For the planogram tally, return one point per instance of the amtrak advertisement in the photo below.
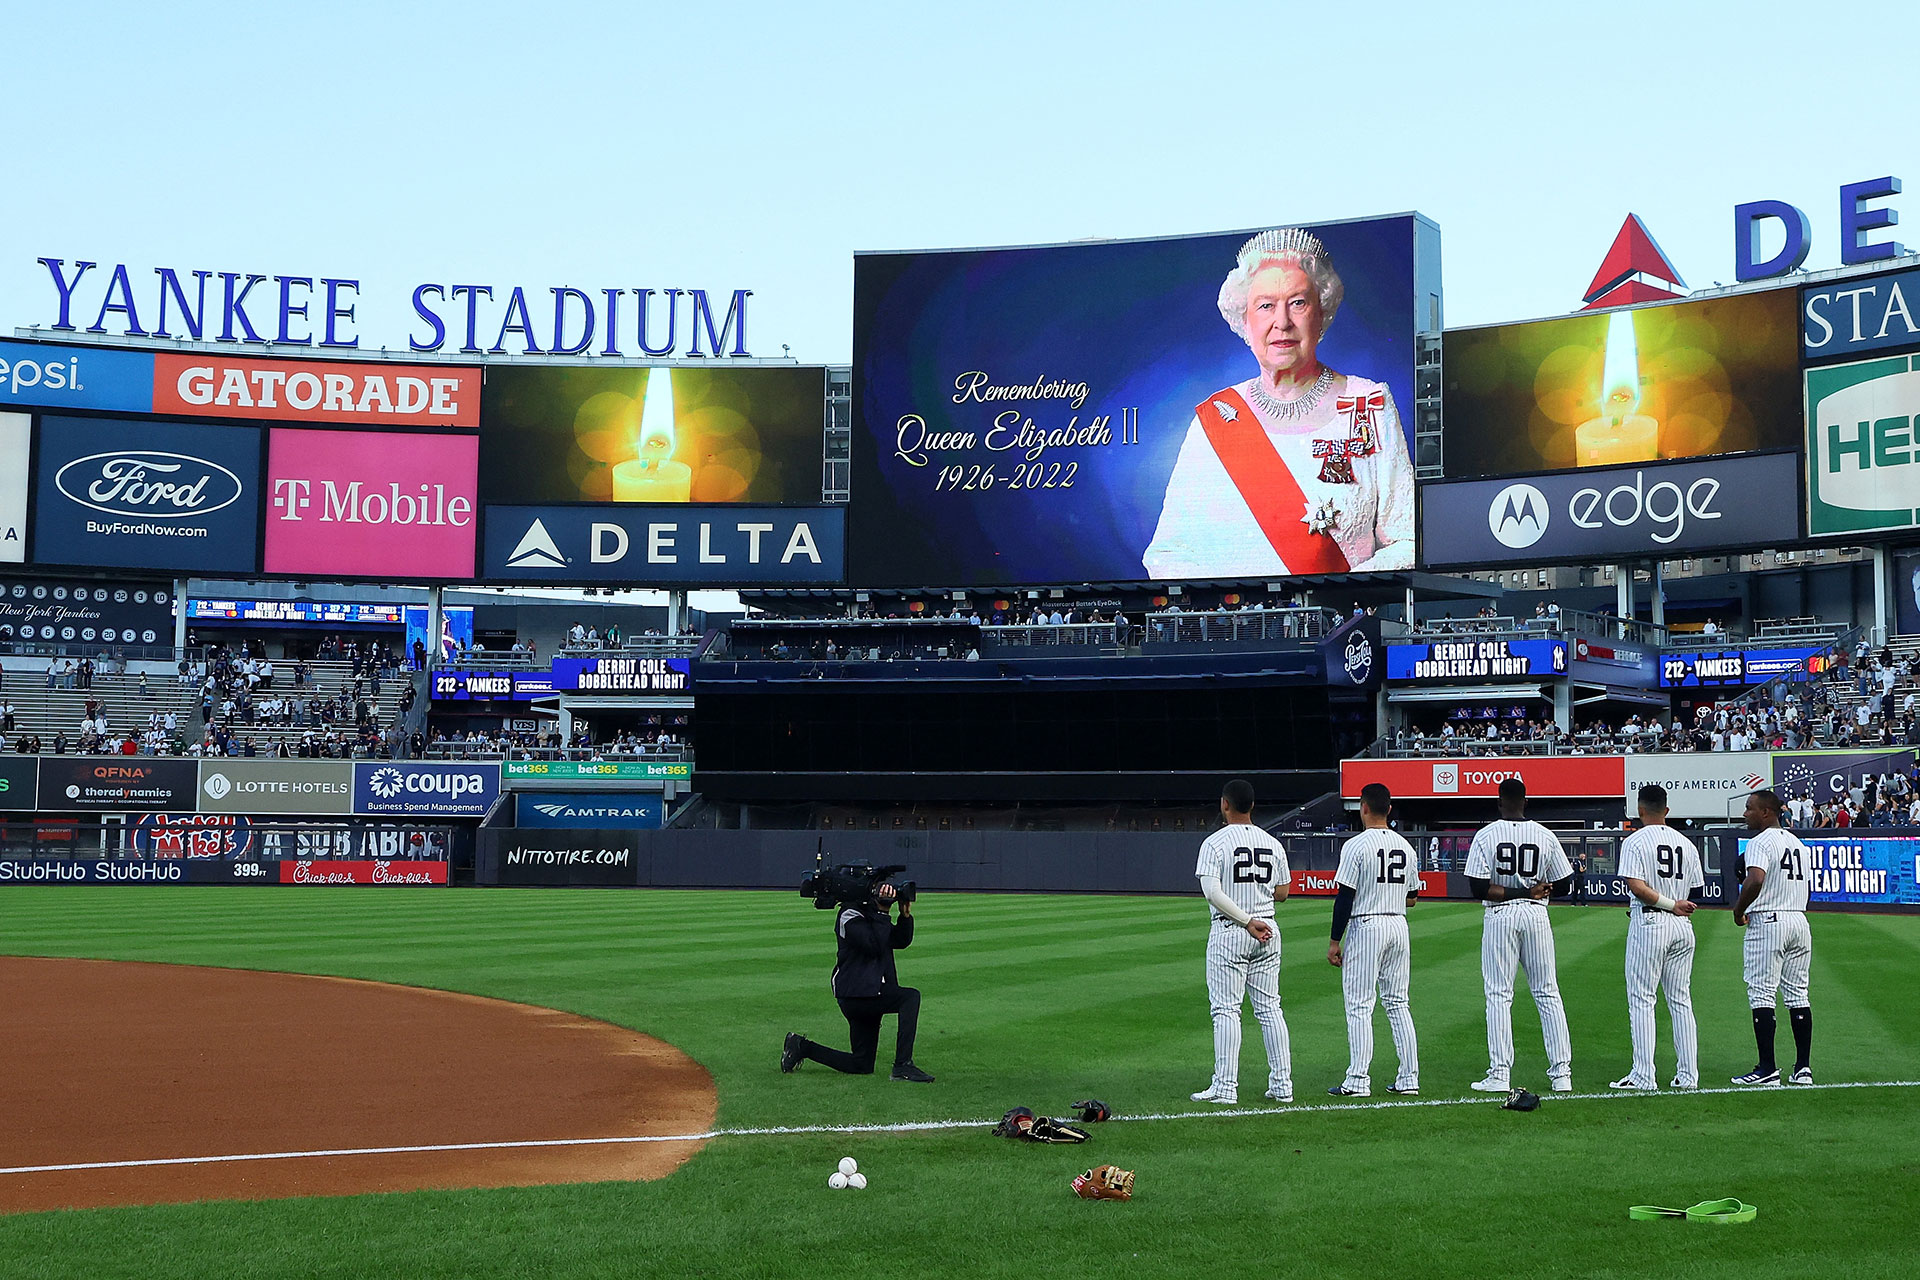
(587, 809)
(1688, 507)
(1236, 405)
(147, 495)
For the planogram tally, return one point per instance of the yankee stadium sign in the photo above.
(258, 309)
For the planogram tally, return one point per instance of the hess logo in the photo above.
(1517, 516)
(134, 482)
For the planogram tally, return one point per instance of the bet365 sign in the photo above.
(1863, 446)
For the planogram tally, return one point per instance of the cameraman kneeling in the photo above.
(865, 984)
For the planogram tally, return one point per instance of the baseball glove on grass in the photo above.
(1092, 1111)
(1104, 1183)
(1521, 1100)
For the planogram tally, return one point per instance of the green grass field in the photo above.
(1040, 1001)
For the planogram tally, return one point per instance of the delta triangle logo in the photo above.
(536, 550)
(1634, 270)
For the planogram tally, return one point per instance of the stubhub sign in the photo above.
(415, 788)
(668, 545)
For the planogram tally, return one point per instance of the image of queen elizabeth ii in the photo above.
(1299, 469)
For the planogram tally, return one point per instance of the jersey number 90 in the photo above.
(1521, 860)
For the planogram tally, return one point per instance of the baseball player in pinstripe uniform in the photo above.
(1378, 880)
(1514, 865)
(1243, 872)
(1772, 908)
(1662, 871)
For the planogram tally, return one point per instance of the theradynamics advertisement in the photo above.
(1220, 406)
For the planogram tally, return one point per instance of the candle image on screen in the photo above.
(653, 475)
(1621, 433)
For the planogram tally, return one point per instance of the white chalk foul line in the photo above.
(923, 1126)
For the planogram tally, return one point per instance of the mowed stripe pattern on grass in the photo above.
(1039, 1001)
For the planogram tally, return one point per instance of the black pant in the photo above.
(863, 1015)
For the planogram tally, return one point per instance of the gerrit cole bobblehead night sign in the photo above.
(1232, 405)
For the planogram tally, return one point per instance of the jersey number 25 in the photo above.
(1252, 866)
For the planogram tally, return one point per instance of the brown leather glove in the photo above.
(1104, 1183)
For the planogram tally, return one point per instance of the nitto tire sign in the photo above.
(1863, 458)
(415, 789)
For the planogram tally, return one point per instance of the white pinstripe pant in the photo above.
(1374, 958)
(1238, 968)
(1660, 957)
(1778, 953)
(1521, 936)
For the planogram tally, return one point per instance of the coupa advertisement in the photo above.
(1215, 406)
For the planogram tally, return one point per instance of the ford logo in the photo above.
(139, 482)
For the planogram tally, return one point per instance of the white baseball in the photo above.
(858, 1181)
(849, 1166)
(837, 1180)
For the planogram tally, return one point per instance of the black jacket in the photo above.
(868, 938)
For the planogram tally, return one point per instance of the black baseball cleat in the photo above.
(790, 1055)
(1341, 1091)
(1759, 1075)
(1411, 1091)
(910, 1073)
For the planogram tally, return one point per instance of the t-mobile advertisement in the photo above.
(371, 504)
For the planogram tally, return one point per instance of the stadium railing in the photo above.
(487, 751)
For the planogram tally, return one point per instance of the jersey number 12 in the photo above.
(1393, 866)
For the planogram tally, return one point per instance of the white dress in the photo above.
(1207, 530)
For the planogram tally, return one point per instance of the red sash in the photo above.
(1267, 485)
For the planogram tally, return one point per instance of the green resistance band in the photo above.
(1725, 1212)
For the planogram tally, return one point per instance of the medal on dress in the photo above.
(1336, 466)
(1323, 517)
(1360, 411)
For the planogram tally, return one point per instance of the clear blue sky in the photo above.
(758, 146)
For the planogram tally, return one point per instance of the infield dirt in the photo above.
(109, 1060)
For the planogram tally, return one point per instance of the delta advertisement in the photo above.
(67, 609)
(1874, 872)
(654, 546)
(653, 435)
(1863, 448)
(371, 504)
(1682, 508)
(1214, 406)
(173, 496)
(1607, 389)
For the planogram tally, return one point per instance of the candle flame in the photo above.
(656, 440)
(1620, 373)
